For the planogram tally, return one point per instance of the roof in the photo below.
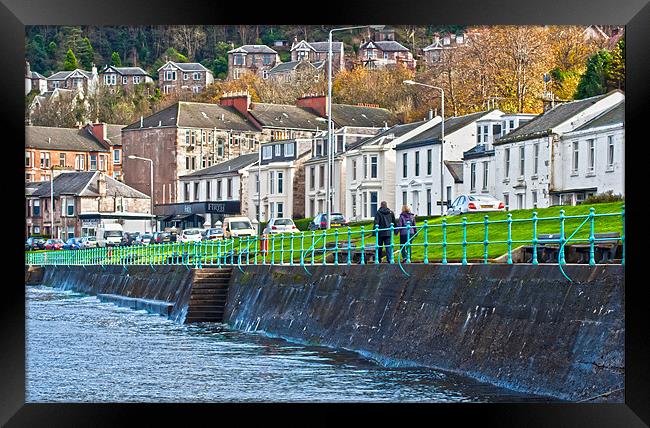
(284, 67)
(85, 184)
(349, 115)
(114, 134)
(478, 151)
(543, 124)
(433, 134)
(196, 115)
(321, 46)
(455, 169)
(613, 116)
(62, 75)
(35, 75)
(71, 139)
(228, 166)
(253, 49)
(186, 66)
(126, 71)
(286, 116)
(386, 45)
(396, 132)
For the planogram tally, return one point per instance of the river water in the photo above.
(81, 350)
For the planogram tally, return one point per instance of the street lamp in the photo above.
(442, 133)
(330, 154)
(153, 220)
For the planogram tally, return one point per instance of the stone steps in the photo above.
(209, 295)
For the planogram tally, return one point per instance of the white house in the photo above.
(316, 169)
(370, 168)
(417, 171)
(276, 186)
(478, 162)
(531, 162)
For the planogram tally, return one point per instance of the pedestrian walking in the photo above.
(383, 219)
(406, 229)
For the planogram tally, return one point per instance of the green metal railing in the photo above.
(448, 241)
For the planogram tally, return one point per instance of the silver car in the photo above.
(88, 242)
(280, 225)
(464, 204)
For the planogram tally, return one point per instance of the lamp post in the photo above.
(153, 219)
(258, 185)
(330, 154)
(442, 139)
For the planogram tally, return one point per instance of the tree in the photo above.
(594, 81)
(616, 78)
(70, 61)
(86, 54)
(115, 59)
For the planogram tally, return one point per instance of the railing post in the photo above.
(623, 236)
(376, 244)
(336, 247)
(509, 238)
(392, 230)
(464, 260)
(407, 244)
(349, 243)
(302, 244)
(313, 246)
(592, 261)
(444, 241)
(426, 242)
(486, 242)
(282, 249)
(291, 251)
(272, 249)
(535, 261)
(363, 247)
(561, 255)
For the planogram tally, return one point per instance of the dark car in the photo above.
(72, 244)
(131, 238)
(162, 238)
(320, 221)
(34, 243)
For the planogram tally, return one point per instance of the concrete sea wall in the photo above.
(520, 326)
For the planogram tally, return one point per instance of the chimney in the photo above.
(241, 101)
(318, 103)
(99, 131)
(430, 114)
(28, 70)
(101, 184)
(94, 70)
(141, 121)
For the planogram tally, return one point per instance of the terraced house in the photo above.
(176, 77)
(256, 59)
(94, 147)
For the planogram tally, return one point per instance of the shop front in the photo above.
(187, 215)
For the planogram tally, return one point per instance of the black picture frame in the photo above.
(635, 14)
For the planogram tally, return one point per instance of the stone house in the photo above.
(316, 52)
(537, 164)
(256, 59)
(297, 71)
(379, 54)
(34, 81)
(433, 54)
(81, 201)
(177, 77)
(76, 80)
(123, 77)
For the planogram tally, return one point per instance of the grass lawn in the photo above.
(285, 248)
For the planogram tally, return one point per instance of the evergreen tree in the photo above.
(70, 61)
(115, 59)
(594, 81)
(616, 78)
(86, 54)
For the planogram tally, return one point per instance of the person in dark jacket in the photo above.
(406, 231)
(383, 219)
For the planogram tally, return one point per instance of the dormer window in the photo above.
(446, 40)
(482, 134)
(459, 39)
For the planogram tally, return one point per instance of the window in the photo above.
(312, 177)
(192, 138)
(93, 162)
(575, 160)
(220, 144)
(312, 207)
(125, 80)
(365, 167)
(278, 150)
(288, 150)
(354, 170)
(36, 208)
(186, 76)
(373, 167)
(404, 198)
(80, 162)
(196, 89)
(280, 182)
(429, 162)
(506, 167)
(196, 75)
(535, 158)
(193, 162)
(116, 156)
(417, 164)
(229, 188)
(29, 156)
(267, 152)
(448, 195)
(592, 156)
(45, 160)
(187, 162)
(373, 204)
(482, 135)
(69, 203)
(446, 40)
(405, 165)
(280, 209)
(196, 191)
(506, 201)
(102, 162)
(218, 190)
(257, 183)
(321, 176)
(271, 182)
(208, 191)
(472, 169)
(522, 160)
(62, 159)
(485, 175)
(428, 201)
(109, 79)
(533, 193)
(265, 74)
(238, 59)
(354, 205)
(186, 192)
(610, 152)
(136, 79)
(266, 59)
(170, 75)
(520, 201)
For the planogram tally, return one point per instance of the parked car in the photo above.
(213, 233)
(279, 225)
(161, 238)
(88, 242)
(320, 221)
(131, 237)
(53, 244)
(475, 203)
(72, 244)
(238, 226)
(34, 243)
(190, 235)
(144, 239)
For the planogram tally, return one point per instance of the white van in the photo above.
(238, 226)
(109, 234)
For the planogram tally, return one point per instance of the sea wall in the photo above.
(520, 326)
